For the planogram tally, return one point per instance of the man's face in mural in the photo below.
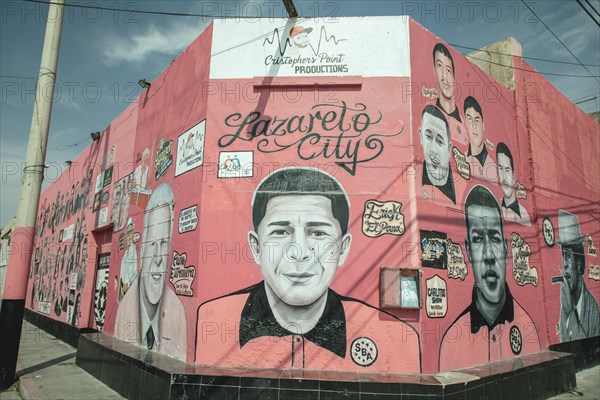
(444, 75)
(299, 247)
(572, 268)
(301, 39)
(155, 253)
(487, 251)
(505, 175)
(436, 148)
(474, 123)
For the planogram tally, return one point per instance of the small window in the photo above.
(400, 288)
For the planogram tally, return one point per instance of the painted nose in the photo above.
(301, 249)
(488, 254)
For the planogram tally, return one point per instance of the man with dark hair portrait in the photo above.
(292, 319)
(482, 165)
(443, 67)
(435, 139)
(579, 315)
(494, 326)
(512, 211)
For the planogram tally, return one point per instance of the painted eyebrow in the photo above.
(489, 231)
(279, 223)
(317, 224)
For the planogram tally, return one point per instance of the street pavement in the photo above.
(47, 371)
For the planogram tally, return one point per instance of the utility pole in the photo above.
(291, 9)
(19, 261)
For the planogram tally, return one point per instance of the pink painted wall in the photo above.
(195, 252)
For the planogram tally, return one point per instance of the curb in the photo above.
(28, 388)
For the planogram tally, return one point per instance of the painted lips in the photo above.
(299, 278)
(490, 276)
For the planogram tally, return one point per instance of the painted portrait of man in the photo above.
(435, 139)
(150, 313)
(512, 211)
(292, 319)
(443, 68)
(494, 326)
(579, 315)
(483, 168)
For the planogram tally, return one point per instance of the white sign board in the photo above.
(353, 46)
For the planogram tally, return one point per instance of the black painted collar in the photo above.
(507, 314)
(447, 188)
(257, 320)
(454, 114)
(481, 157)
(513, 206)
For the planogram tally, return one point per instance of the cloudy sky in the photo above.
(104, 53)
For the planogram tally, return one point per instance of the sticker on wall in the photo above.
(521, 191)
(591, 249)
(122, 241)
(121, 202)
(429, 93)
(99, 182)
(516, 340)
(522, 271)
(548, 232)
(105, 197)
(163, 158)
(236, 164)
(68, 233)
(363, 351)
(188, 219)
(71, 301)
(433, 249)
(101, 289)
(436, 303)
(111, 154)
(190, 149)
(594, 272)
(463, 167)
(103, 217)
(97, 199)
(383, 219)
(457, 268)
(108, 174)
(44, 307)
(182, 277)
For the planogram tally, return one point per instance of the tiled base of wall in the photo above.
(137, 373)
(586, 351)
(61, 330)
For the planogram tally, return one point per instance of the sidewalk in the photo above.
(48, 371)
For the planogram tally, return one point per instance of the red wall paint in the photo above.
(183, 95)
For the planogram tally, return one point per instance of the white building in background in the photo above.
(5, 238)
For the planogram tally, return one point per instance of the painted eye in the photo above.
(279, 232)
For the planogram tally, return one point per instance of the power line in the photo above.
(516, 55)
(587, 12)
(557, 38)
(16, 77)
(528, 70)
(130, 11)
(592, 7)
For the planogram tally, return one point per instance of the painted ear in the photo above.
(505, 251)
(346, 242)
(254, 246)
(468, 250)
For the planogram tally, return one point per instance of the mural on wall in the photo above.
(383, 218)
(59, 267)
(483, 168)
(163, 158)
(129, 262)
(190, 149)
(120, 202)
(579, 314)
(435, 139)
(507, 328)
(548, 232)
(150, 313)
(523, 272)
(433, 249)
(101, 291)
(436, 302)
(591, 249)
(512, 211)
(457, 267)
(238, 164)
(182, 276)
(140, 191)
(299, 240)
